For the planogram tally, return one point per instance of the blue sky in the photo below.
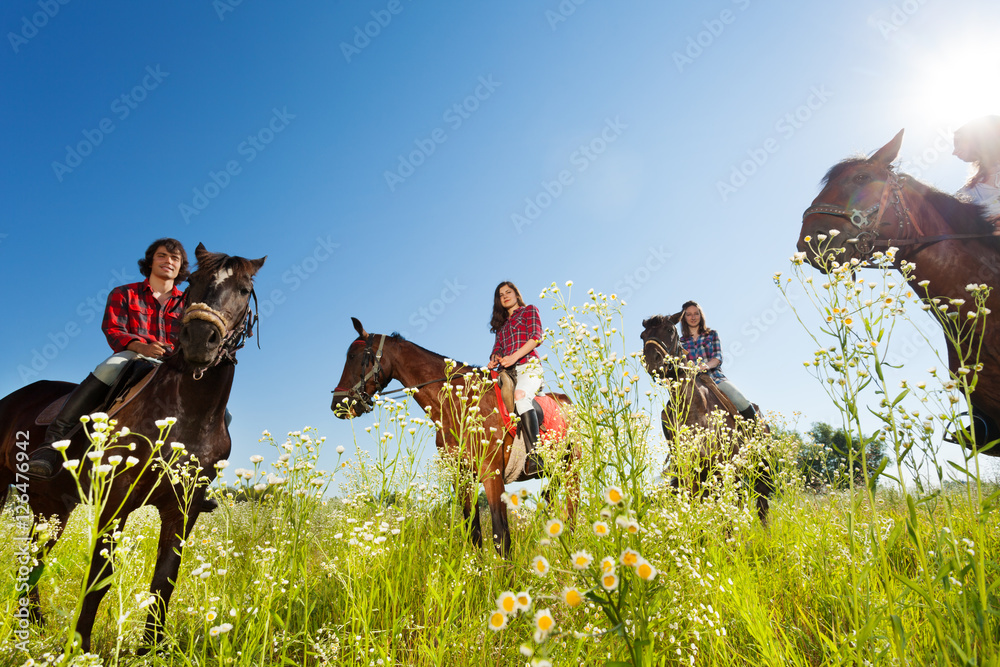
(396, 159)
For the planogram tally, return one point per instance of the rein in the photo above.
(867, 238)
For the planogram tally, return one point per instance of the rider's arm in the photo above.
(116, 321)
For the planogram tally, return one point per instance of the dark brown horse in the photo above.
(375, 360)
(192, 385)
(693, 404)
(951, 243)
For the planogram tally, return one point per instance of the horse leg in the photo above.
(470, 509)
(498, 513)
(102, 568)
(34, 597)
(572, 486)
(763, 487)
(174, 529)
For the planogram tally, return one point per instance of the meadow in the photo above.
(370, 564)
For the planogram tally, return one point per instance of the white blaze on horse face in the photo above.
(222, 274)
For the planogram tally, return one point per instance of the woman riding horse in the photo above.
(978, 142)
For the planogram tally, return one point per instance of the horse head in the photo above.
(218, 316)
(861, 203)
(661, 345)
(363, 376)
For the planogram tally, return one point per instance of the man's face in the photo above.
(166, 264)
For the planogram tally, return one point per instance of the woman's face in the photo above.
(965, 149)
(508, 297)
(692, 317)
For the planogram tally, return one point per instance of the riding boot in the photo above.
(750, 414)
(45, 462)
(529, 429)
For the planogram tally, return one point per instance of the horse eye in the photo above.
(244, 291)
(861, 179)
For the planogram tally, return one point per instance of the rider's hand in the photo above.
(153, 350)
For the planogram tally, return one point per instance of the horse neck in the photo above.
(412, 365)
(952, 264)
(201, 399)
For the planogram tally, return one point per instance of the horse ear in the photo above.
(201, 253)
(360, 329)
(675, 318)
(257, 263)
(888, 153)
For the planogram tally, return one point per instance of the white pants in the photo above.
(740, 401)
(529, 383)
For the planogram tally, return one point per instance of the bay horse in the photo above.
(375, 360)
(193, 385)
(951, 243)
(694, 403)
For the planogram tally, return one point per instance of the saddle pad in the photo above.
(46, 416)
(555, 426)
(502, 406)
(515, 460)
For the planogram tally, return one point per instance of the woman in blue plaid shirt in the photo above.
(703, 347)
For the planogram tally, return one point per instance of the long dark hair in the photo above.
(984, 133)
(500, 314)
(172, 246)
(702, 327)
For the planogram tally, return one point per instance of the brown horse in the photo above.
(192, 385)
(375, 360)
(951, 243)
(694, 404)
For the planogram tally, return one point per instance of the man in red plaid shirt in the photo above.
(141, 319)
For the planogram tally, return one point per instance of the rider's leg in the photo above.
(529, 382)
(740, 402)
(45, 461)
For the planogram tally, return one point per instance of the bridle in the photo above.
(233, 338)
(372, 356)
(867, 238)
(656, 343)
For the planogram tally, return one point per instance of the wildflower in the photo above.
(512, 499)
(554, 528)
(629, 558)
(256, 458)
(544, 623)
(210, 616)
(497, 620)
(523, 601)
(523, 493)
(609, 581)
(600, 529)
(527, 651)
(221, 465)
(507, 602)
(176, 446)
(613, 495)
(540, 566)
(340, 449)
(115, 460)
(581, 559)
(96, 455)
(131, 461)
(60, 445)
(607, 565)
(572, 597)
(220, 629)
(72, 464)
(645, 570)
(103, 469)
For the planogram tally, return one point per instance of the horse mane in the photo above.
(459, 366)
(216, 261)
(962, 217)
(842, 166)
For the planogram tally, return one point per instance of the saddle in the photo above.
(133, 378)
(709, 384)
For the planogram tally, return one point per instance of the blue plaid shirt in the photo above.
(705, 347)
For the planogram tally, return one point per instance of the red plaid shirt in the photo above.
(133, 313)
(523, 325)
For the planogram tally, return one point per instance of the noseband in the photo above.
(370, 356)
(232, 339)
(865, 224)
(663, 349)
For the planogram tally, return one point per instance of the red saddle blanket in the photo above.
(554, 424)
